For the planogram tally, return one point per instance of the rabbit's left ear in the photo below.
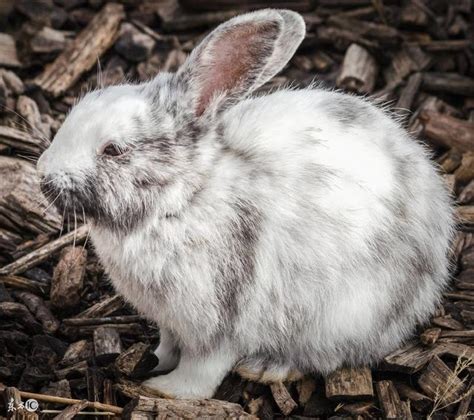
(239, 56)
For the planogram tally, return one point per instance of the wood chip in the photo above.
(41, 254)
(38, 308)
(438, 381)
(451, 83)
(359, 70)
(83, 52)
(68, 277)
(447, 131)
(71, 411)
(390, 400)
(349, 383)
(430, 336)
(146, 407)
(107, 344)
(282, 397)
(8, 54)
(136, 360)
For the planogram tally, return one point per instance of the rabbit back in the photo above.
(358, 224)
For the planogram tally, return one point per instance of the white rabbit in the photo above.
(276, 236)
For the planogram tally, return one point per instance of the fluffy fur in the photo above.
(277, 235)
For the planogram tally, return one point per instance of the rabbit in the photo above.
(272, 235)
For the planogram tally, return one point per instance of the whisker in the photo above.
(75, 226)
(36, 130)
(63, 219)
(52, 202)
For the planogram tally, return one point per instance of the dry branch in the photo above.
(41, 254)
(83, 53)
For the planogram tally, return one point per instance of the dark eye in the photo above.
(113, 149)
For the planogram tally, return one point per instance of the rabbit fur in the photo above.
(274, 235)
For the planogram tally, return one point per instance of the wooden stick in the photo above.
(83, 53)
(80, 322)
(448, 131)
(60, 400)
(41, 254)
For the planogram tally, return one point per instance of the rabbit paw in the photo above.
(194, 377)
(167, 353)
(175, 385)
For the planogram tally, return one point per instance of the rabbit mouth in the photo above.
(62, 194)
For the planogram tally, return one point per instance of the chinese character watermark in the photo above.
(29, 405)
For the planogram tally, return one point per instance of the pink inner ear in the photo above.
(235, 59)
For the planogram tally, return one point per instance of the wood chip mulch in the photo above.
(68, 342)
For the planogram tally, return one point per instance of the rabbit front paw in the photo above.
(195, 377)
(167, 353)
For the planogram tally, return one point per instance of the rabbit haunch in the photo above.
(277, 235)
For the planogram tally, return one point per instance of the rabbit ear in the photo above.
(240, 55)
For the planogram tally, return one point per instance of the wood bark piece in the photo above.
(8, 54)
(451, 83)
(68, 277)
(20, 140)
(80, 322)
(39, 255)
(409, 92)
(438, 381)
(81, 54)
(136, 360)
(145, 407)
(430, 336)
(22, 205)
(132, 329)
(447, 321)
(408, 60)
(71, 411)
(47, 41)
(465, 214)
(467, 194)
(103, 308)
(21, 314)
(77, 352)
(306, 388)
(107, 344)
(445, 45)
(359, 70)
(133, 44)
(463, 408)
(210, 5)
(79, 368)
(29, 110)
(174, 18)
(14, 84)
(409, 359)
(347, 383)
(31, 244)
(379, 31)
(38, 308)
(282, 397)
(17, 282)
(390, 400)
(465, 172)
(447, 131)
(418, 400)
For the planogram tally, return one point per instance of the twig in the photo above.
(60, 400)
(41, 254)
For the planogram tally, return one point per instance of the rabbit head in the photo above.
(127, 150)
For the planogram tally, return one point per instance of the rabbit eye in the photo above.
(113, 150)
